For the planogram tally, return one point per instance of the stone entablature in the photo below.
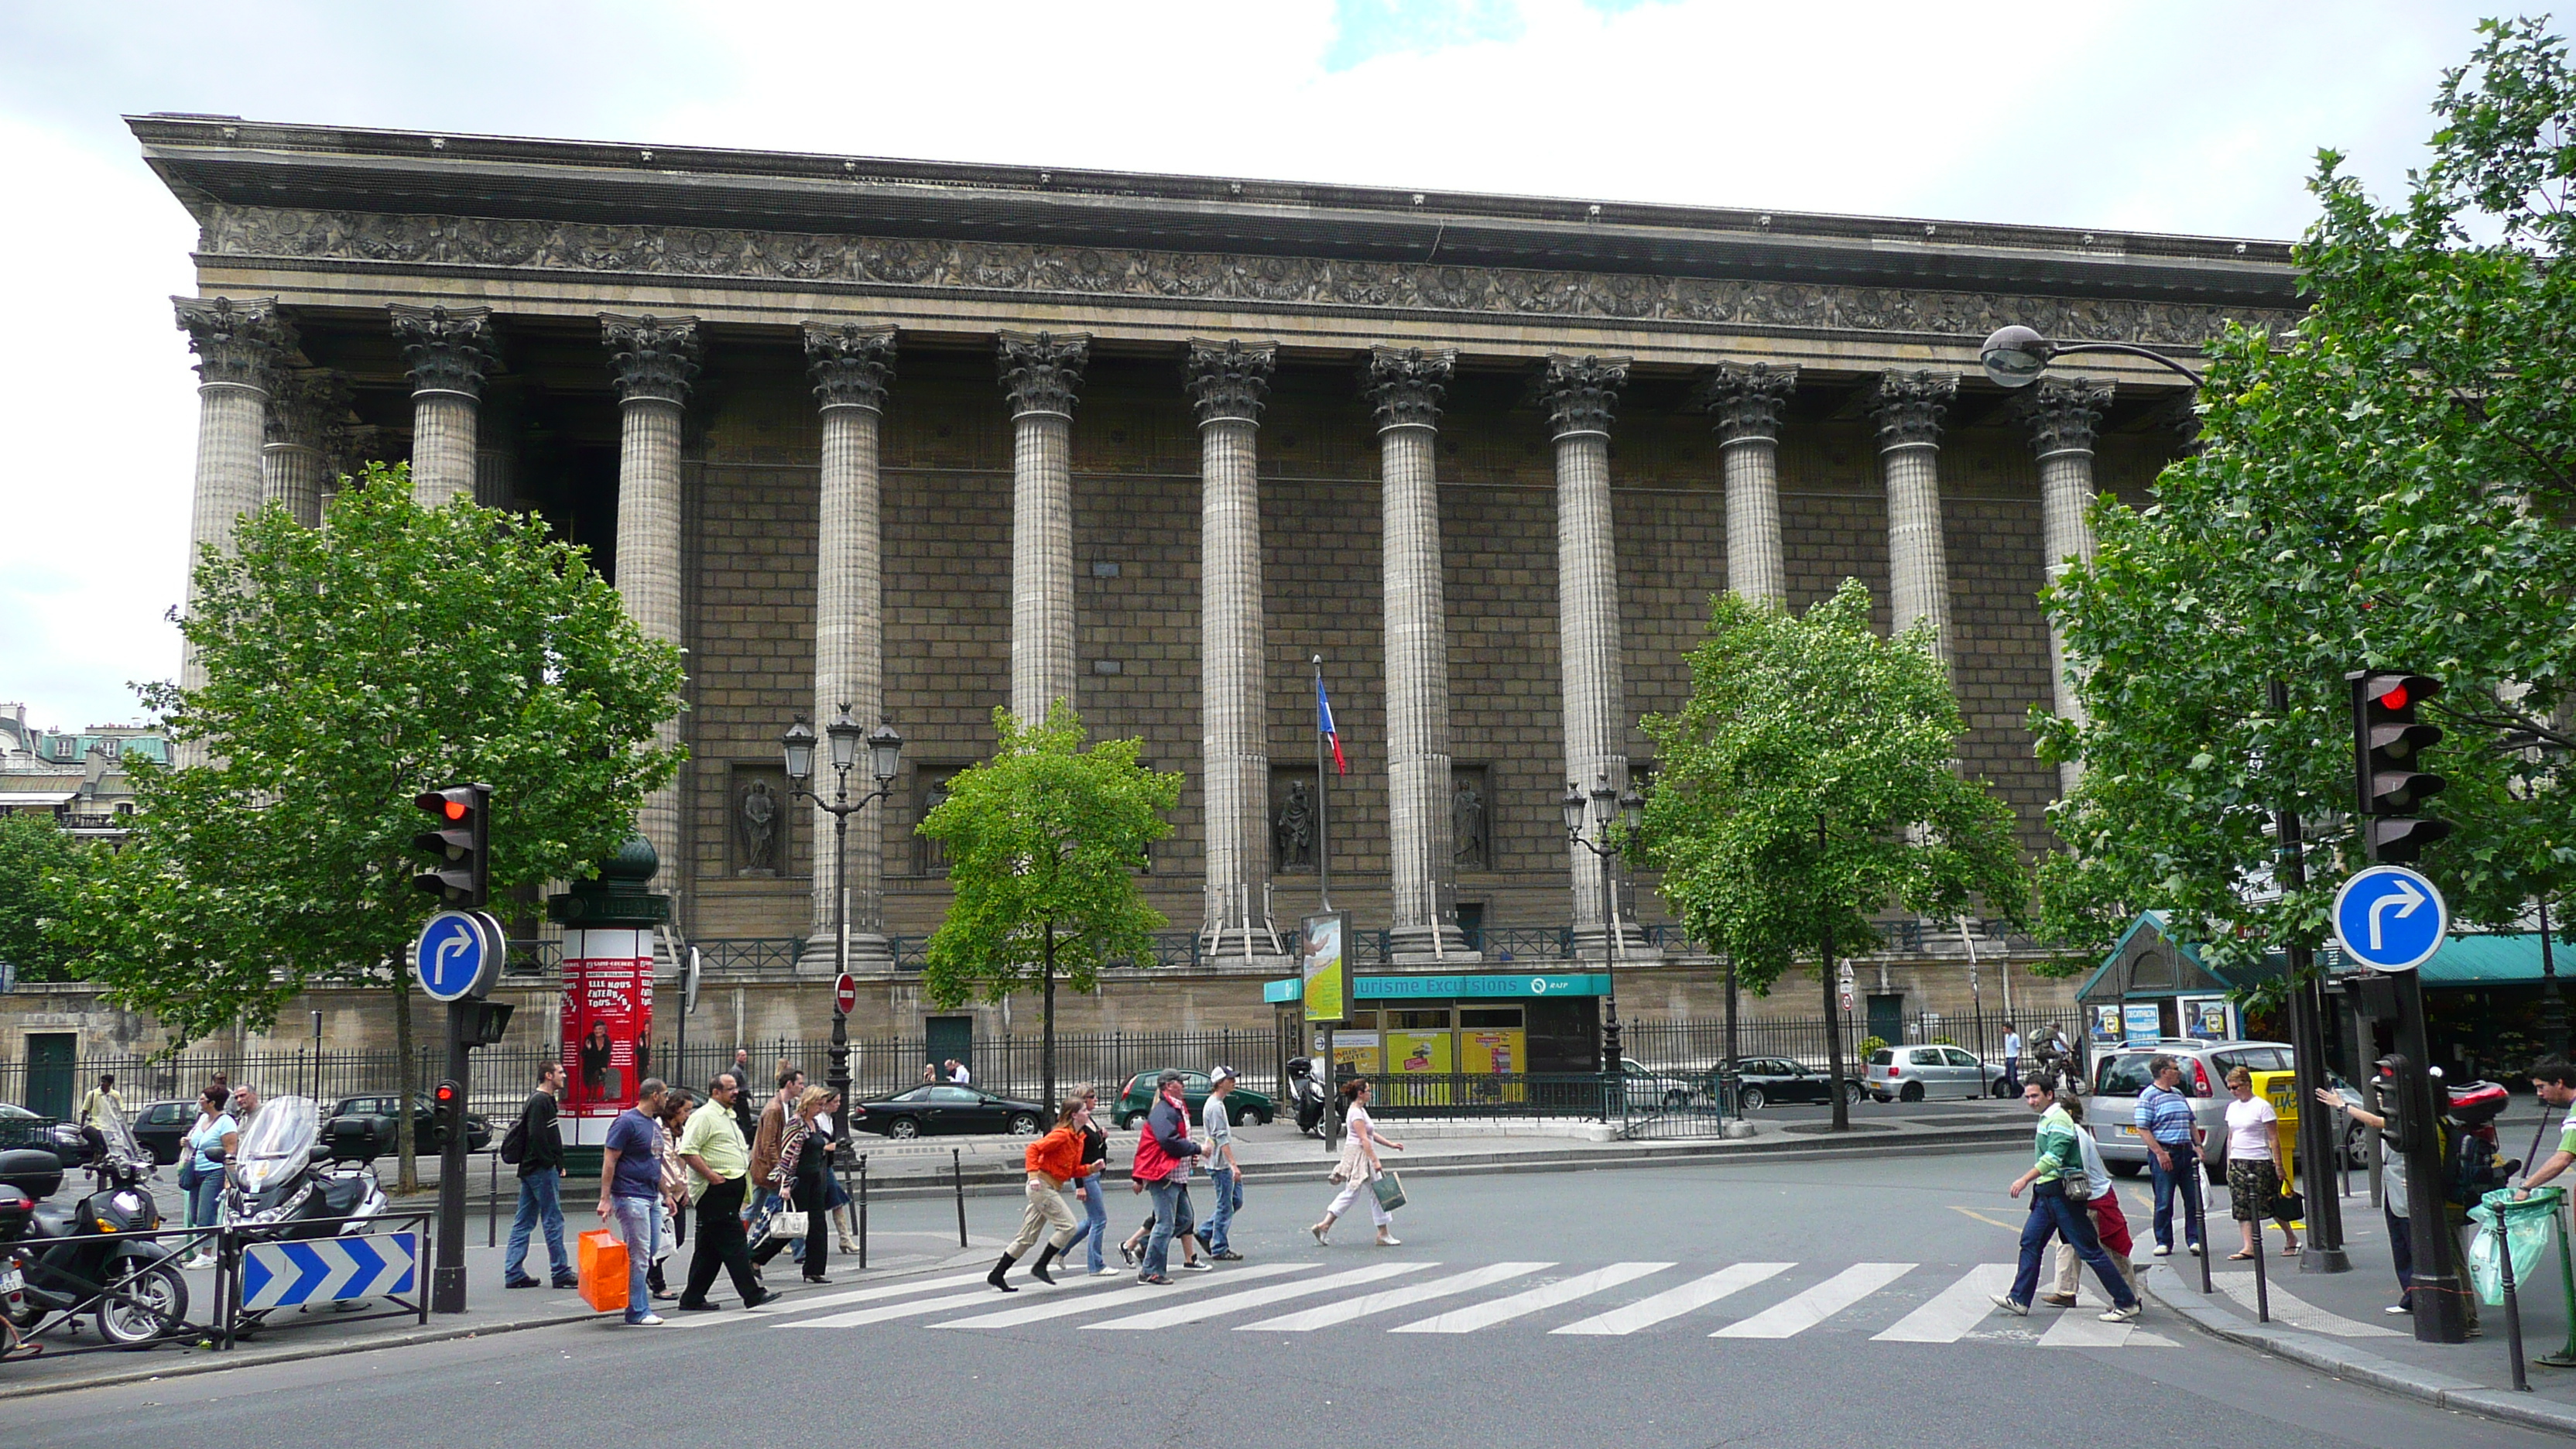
(415, 244)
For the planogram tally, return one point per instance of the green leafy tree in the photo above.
(395, 649)
(43, 869)
(1808, 785)
(2385, 487)
(1044, 843)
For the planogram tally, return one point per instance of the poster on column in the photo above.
(607, 1025)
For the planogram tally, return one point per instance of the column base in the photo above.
(870, 955)
(1430, 946)
(1587, 945)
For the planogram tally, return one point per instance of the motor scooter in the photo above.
(282, 1184)
(57, 1262)
(1307, 1092)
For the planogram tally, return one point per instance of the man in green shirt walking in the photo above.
(712, 1146)
(2054, 1212)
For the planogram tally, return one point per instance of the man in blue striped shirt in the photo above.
(2164, 1118)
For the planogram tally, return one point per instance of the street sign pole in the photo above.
(447, 1280)
(455, 960)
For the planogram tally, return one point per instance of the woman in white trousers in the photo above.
(1358, 1170)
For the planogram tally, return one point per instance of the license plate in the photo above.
(11, 1283)
(2128, 1131)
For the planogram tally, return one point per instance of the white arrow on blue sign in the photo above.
(457, 955)
(2390, 918)
(328, 1270)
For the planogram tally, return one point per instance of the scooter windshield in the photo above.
(118, 1134)
(277, 1144)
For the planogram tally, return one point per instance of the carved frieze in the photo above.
(449, 349)
(1041, 371)
(1746, 400)
(1405, 385)
(852, 363)
(1229, 379)
(236, 343)
(2062, 413)
(1909, 405)
(1581, 394)
(681, 252)
(653, 358)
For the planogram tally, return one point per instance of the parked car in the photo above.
(160, 1126)
(1241, 1105)
(925, 1111)
(22, 1130)
(1763, 1081)
(2120, 1077)
(1677, 1089)
(426, 1135)
(1914, 1073)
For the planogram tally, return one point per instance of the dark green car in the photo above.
(1242, 1104)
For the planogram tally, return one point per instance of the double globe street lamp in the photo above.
(1588, 822)
(885, 756)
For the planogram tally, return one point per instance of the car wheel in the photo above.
(1239, 1116)
(1852, 1093)
(2125, 1169)
(152, 1304)
(1024, 1124)
(2003, 1089)
(1750, 1099)
(1911, 1092)
(904, 1128)
(1675, 1098)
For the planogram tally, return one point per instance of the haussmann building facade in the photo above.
(930, 439)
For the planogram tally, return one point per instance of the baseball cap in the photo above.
(1223, 1074)
(1168, 1077)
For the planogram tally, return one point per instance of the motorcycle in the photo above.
(282, 1185)
(58, 1261)
(1307, 1092)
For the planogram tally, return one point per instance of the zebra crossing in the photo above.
(1881, 1302)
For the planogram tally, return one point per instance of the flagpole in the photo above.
(1323, 840)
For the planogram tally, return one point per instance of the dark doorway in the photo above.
(1471, 923)
(1887, 1016)
(944, 1037)
(50, 1063)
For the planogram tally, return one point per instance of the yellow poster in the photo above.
(1418, 1051)
(1499, 1052)
(1321, 962)
(1356, 1050)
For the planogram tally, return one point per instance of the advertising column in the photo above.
(607, 1026)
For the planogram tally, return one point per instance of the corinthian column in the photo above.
(1040, 374)
(237, 346)
(1405, 386)
(1227, 381)
(852, 365)
(1581, 394)
(450, 349)
(309, 406)
(654, 360)
(1746, 403)
(1908, 406)
(2062, 414)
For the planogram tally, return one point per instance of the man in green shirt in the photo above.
(712, 1146)
(2555, 1080)
(2056, 1212)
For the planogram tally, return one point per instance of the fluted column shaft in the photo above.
(294, 474)
(2062, 414)
(237, 346)
(306, 411)
(1041, 374)
(1580, 395)
(442, 447)
(654, 361)
(851, 366)
(450, 350)
(1745, 401)
(1909, 408)
(1228, 381)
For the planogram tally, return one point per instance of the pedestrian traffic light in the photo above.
(2388, 743)
(459, 844)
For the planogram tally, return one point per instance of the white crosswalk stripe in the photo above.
(1330, 1314)
(1955, 1309)
(1134, 1295)
(919, 1306)
(1203, 1309)
(1674, 1302)
(799, 1303)
(1797, 1315)
(1501, 1310)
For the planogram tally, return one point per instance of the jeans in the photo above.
(639, 1226)
(2012, 1076)
(1095, 1223)
(539, 1201)
(209, 1199)
(1171, 1217)
(2052, 1213)
(1214, 1237)
(2185, 1176)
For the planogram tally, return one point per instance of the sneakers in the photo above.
(2122, 1315)
(2164, 1250)
(522, 1281)
(1198, 1265)
(1228, 1256)
(649, 1320)
(1389, 1240)
(2017, 1310)
(1108, 1272)
(1155, 1279)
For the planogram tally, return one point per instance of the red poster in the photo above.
(607, 1020)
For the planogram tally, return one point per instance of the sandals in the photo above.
(2240, 1257)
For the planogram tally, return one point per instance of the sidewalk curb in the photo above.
(2362, 1366)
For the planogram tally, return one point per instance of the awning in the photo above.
(47, 798)
(1408, 986)
(2509, 958)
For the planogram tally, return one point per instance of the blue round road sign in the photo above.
(456, 956)
(2390, 918)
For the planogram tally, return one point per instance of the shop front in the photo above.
(1439, 1030)
(2152, 988)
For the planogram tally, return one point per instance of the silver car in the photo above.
(1913, 1073)
(2120, 1077)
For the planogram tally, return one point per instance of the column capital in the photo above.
(1041, 371)
(1581, 394)
(308, 407)
(2062, 413)
(654, 359)
(237, 343)
(449, 349)
(1229, 380)
(1909, 405)
(1745, 399)
(1405, 385)
(852, 363)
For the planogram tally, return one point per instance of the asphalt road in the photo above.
(1866, 1335)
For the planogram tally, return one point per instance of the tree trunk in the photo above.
(1046, 1018)
(1834, 1034)
(408, 1178)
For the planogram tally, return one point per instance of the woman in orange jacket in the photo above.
(1053, 1161)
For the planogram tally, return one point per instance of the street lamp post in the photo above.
(885, 756)
(1604, 809)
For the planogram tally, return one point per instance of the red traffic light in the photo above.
(445, 1092)
(2395, 698)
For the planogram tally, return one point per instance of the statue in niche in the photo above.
(1292, 829)
(1467, 823)
(934, 853)
(757, 819)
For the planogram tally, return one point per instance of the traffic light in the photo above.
(2401, 1101)
(459, 844)
(447, 1102)
(2388, 743)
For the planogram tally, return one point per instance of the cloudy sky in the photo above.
(2175, 115)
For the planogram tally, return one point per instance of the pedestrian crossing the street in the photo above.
(1882, 1302)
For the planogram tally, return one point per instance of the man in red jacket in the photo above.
(1053, 1161)
(1163, 1154)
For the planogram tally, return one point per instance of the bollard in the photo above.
(492, 1205)
(2262, 1281)
(957, 1174)
(863, 1212)
(2512, 1311)
(2198, 1208)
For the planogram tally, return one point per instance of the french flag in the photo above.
(1324, 726)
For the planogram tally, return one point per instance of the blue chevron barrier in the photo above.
(328, 1270)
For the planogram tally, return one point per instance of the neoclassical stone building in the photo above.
(932, 438)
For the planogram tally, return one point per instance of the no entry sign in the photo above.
(845, 994)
